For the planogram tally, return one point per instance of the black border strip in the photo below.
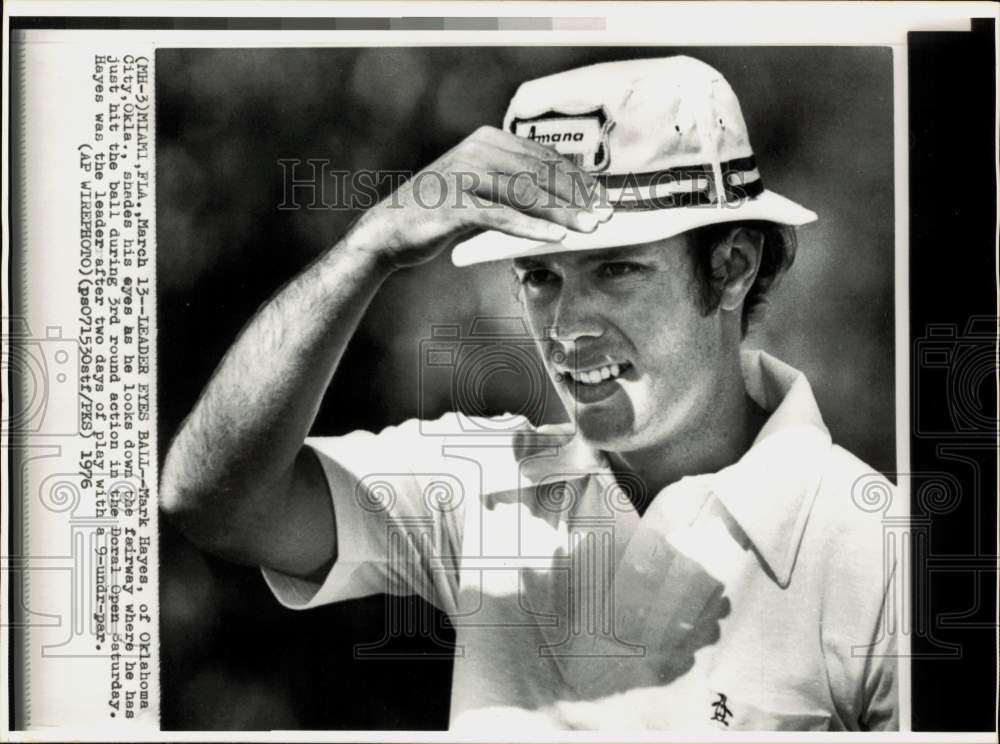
(953, 293)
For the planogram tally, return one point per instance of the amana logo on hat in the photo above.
(581, 137)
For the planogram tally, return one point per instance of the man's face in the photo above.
(622, 335)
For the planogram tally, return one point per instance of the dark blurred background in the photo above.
(820, 121)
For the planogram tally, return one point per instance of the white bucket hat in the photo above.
(665, 137)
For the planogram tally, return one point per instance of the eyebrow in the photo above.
(589, 257)
(612, 254)
(528, 263)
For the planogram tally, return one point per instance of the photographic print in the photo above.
(584, 483)
(499, 372)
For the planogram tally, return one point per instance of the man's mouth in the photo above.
(596, 375)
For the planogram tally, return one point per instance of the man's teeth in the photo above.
(594, 376)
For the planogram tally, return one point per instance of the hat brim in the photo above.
(632, 227)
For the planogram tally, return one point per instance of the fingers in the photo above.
(522, 192)
(554, 171)
(532, 178)
(519, 224)
(508, 141)
(494, 180)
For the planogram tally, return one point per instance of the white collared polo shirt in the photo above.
(750, 598)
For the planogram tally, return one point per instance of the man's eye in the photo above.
(538, 277)
(619, 268)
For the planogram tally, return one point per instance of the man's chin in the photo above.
(606, 428)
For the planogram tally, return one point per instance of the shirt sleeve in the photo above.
(398, 525)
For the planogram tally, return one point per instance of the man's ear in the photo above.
(735, 261)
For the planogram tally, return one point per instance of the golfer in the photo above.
(685, 552)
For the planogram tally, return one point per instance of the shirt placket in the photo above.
(658, 596)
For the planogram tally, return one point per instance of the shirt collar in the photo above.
(768, 492)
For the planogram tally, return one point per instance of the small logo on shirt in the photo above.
(721, 711)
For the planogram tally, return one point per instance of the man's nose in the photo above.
(574, 319)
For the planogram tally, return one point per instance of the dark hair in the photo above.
(777, 254)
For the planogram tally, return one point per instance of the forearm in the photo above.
(234, 455)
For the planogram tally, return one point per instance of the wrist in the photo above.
(366, 242)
